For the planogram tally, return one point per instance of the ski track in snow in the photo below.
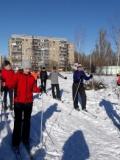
(77, 136)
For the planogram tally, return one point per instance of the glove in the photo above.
(91, 76)
(65, 77)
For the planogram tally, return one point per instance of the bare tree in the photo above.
(79, 41)
(103, 52)
(116, 39)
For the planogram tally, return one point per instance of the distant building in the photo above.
(108, 70)
(41, 51)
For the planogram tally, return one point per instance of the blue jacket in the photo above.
(79, 76)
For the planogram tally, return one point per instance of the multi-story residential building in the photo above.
(41, 51)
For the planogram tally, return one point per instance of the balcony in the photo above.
(16, 51)
(62, 55)
(16, 59)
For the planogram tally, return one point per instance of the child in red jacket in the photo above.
(7, 80)
(24, 85)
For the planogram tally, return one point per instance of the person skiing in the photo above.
(43, 77)
(7, 79)
(24, 86)
(54, 83)
(78, 87)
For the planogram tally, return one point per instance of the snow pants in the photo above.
(56, 94)
(79, 90)
(43, 84)
(10, 92)
(22, 119)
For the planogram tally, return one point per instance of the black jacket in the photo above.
(43, 75)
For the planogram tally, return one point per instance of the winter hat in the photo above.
(43, 68)
(6, 62)
(26, 64)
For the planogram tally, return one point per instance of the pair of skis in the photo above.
(89, 113)
(59, 100)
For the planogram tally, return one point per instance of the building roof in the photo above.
(38, 37)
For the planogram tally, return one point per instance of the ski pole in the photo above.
(41, 125)
(51, 139)
(53, 144)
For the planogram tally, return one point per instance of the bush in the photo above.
(96, 85)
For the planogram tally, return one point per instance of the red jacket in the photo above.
(7, 77)
(24, 85)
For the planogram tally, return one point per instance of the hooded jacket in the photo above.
(43, 75)
(7, 77)
(24, 85)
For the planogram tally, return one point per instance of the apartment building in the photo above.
(41, 51)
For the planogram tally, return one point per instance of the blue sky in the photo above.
(57, 18)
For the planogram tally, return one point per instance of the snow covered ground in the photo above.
(67, 133)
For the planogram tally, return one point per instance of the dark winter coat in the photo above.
(43, 75)
(24, 85)
(7, 77)
(79, 76)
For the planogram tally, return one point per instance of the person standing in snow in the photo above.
(54, 83)
(24, 86)
(78, 87)
(43, 77)
(7, 78)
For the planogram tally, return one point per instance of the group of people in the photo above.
(22, 84)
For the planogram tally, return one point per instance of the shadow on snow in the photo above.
(36, 128)
(75, 148)
(5, 145)
(112, 114)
